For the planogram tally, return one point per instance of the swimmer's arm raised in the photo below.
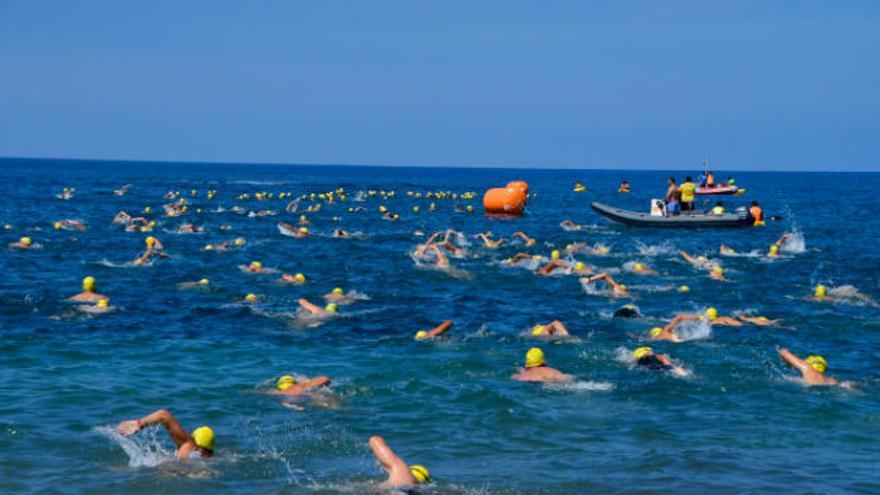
(387, 458)
(794, 361)
(440, 329)
(163, 417)
(311, 308)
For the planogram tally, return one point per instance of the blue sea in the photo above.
(739, 422)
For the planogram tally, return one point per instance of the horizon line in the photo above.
(420, 166)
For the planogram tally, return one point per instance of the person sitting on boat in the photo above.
(757, 213)
(702, 179)
(673, 207)
(624, 187)
(718, 209)
(686, 192)
(710, 179)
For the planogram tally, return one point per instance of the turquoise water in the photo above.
(741, 422)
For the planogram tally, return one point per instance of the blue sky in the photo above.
(653, 84)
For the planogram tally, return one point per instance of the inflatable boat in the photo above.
(687, 220)
(717, 190)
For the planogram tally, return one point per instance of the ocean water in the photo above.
(741, 422)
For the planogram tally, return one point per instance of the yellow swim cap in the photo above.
(330, 308)
(538, 329)
(338, 291)
(57, 225)
(239, 241)
(534, 358)
(420, 473)
(684, 288)
(204, 281)
(718, 270)
(303, 230)
(579, 265)
(821, 291)
(639, 267)
(300, 277)
(150, 241)
(554, 254)
(250, 298)
(774, 250)
(147, 209)
(382, 209)
(152, 223)
(416, 209)
(25, 241)
(622, 286)
(712, 313)
(256, 265)
(88, 284)
(469, 209)
(285, 382)
(818, 363)
(209, 247)
(103, 303)
(655, 332)
(642, 352)
(421, 334)
(204, 437)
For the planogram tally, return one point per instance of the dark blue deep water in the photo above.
(742, 422)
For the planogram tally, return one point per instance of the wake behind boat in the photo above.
(687, 220)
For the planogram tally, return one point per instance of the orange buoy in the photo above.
(510, 200)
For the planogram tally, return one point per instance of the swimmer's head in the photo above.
(712, 313)
(299, 277)
(642, 352)
(255, 265)
(338, 291)
(554, 254)
(622, 287)
(152, 223)
(684, 288)
(88, 284)
(579, 265)
(103, 303)
(303, 230)
(150, 241)
(204, 437)
(538, 329)
(204, 281)
(534, 358)
(718, 270)
(147, 209)
(655, 332)
(239, 241)
(330, 308)
(420, 473)
(25, 241)
(285, 382)
(818, 363)
(639, 267)
(421, 335)
(470, 208)
(821, 291)
(774, 250)
(209, 247)
(250, 298)
(57, 225)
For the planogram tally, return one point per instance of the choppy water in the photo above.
(740, 423)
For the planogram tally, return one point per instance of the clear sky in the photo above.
(652, 84)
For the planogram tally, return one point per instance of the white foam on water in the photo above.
(694, 330)
(143, 449)
(654, 250)
(581, 386)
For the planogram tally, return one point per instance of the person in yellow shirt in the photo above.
(686, 190)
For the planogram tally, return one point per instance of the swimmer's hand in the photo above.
(128, 428)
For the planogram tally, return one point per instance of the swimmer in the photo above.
(529, 241)
(555, 328)
(154, 248)
(536, 370)
(297, 279)
(519, 257)
(122, 190)
(812, 369)
(726, 250)
(642, 269)
(846, 293)
(617, 290)
(340, 233)
(761, 321)
(552, 266)
(189, 228)
(783, 240)
(192, 285)
(23, 243)
(711, 315)
(569, 225)
(666, 333)
(288, 385)
(254, 267)
(399, 474)
(122, 218)
(646, 358)
(390, 217)
(774, 251)
(490, 243)
(338, 296)
(69, 224)
(715, 270)
(201, 442)
(102, 306)
(435, 332)
(89, 293)
(328, 310)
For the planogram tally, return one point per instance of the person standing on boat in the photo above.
(687, 190)
(710, 179)
(672, 190)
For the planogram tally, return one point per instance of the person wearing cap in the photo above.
(89, 293)
(289, 385)
(23, 243)
(812, 369)
(536, 370)
(200, 442)
(553, 329)
(317, 310)
(297, 279)
(711, 315)
(435, 332)
(338, 296)
(154, 248)
(645, 357)
(399, 474)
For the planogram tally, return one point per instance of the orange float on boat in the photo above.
(510, 200)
